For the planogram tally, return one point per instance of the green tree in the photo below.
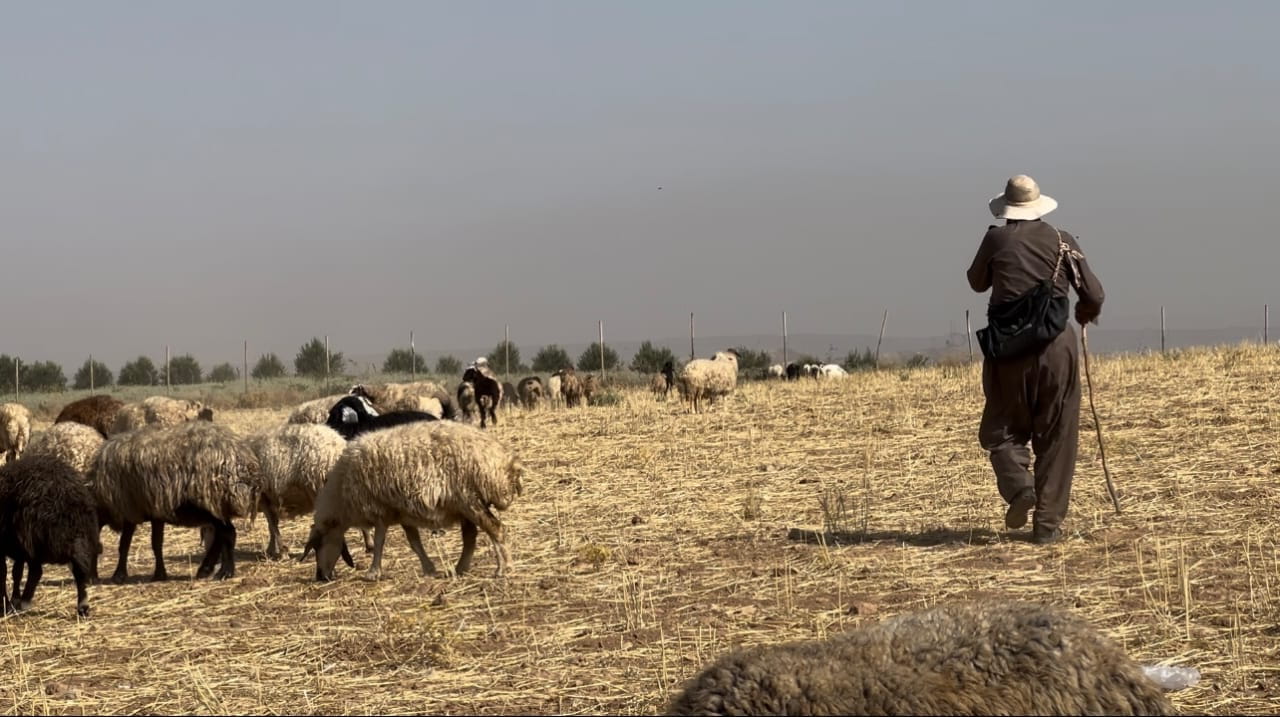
(752, 362)
(310, 360)
(138, 372)
(184, 369)
(590, 358)
(403, 361)
(550, 359)
(448, 366)
(6, 370)
(101, 376)
(649, 359)
(42, 376)
(224, 373)
(498, 359)
(268, 366)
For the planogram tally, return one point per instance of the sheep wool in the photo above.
(957, 659)
(709, 379)
(75, 444)
(427, 474)
(293, 460)
(130, 417)
(170, 411)
(315, 411)
(15, 430)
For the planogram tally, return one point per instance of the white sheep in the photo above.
(709, 378)
(314, 411)
(428, 474)
(75, 444)
(777, 371)
(15, 430)
(833, 370)
(294, 460)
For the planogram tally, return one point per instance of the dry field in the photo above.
(650, 540)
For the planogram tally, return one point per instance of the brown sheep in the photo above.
(530, 391)
(570, 386)
(97, 412)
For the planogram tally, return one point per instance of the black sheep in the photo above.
(46, 516)
(352, 416)
(488, 393)
(793, 371)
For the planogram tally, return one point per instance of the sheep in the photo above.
(316, 411)
(158, 410)
(351, 417)
(15, 430)
(794, 371)
(192, 474)
(709, 378)
(658, 385)
(130, 417)
(833, 370)
(570, 386)
(777, 371)
(994, 657)
(467, 400)
(97, 412)
(415, 396)
(75, 444)
(509, 396)
(488, 392)
(589, 386)
(420, 475)
(530, 391)
(293, 461)
(46, 516)
(554, 394)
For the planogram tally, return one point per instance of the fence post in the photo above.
(413, 358)
(506, 347)
(326, 359)
(1162, 344)
(1266, 323)
(784, 339)
(968, 334)
(17, 362)
(601, 352)
(168, 377)
(692, 355)
(883, 321)
(246, 366)
(90, 373)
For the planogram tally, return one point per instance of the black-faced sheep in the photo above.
(193, 474)
(709, 379)
(97, 412)
(530, 391)
(961, 659)
(46, 516)
(421, 475)
(488, 392)
(15, 430)
(351, 416)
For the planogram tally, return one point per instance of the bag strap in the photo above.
(1065, 250)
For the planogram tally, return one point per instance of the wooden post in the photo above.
(326, 358)
(1266, 323)
(692, 355)
(413, 358)
(1162, 344)
(601, 351)
(784, 339)
(883, 321)
(90, 373)
(246, 365)
(16, 363)
(968, 334)
(168, 378)
(506, 347)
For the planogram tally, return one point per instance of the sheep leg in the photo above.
(275, 546)
(34, 572)
(468, 547)
(226, 534)
(211, 555)
(415, 542)
(81, 574)
(157, 548)
(379, 538)
(122, 563)
(368, 540)
(17, 580)
(493, 528)
(5, 608)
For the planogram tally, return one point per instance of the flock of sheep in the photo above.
(409, 455)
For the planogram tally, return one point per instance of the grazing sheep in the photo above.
(130, 417)
(421, 475)
(414, 396)
(97, 412)
(75, 444)
(172, 411)
(570, 386)
(833, 370)
(316, 411)
(530, 391)
(509, 396)
(467, 400)
(46, 516)
(777, 371)
(554, 395)
(293, 461)
(15, 430)
(794, 371)
(709, 378)
(589, 387)
(192, 474)
(351, 416)
(488, 392)
(659, 386)
(993, 657)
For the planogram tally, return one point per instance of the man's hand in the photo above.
(1086, 314)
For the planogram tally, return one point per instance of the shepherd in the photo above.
(1031, 356)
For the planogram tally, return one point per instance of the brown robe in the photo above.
(1036, 398)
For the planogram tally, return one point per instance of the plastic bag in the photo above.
(1171, 678)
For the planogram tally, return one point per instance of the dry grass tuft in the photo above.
(650, 540)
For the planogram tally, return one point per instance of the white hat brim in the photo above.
(1031, 210)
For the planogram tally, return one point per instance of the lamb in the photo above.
(530, 391)
(709, 378)
(98, 412)
(75, 444)
(293, 461)
(420, 475)
(192, 474)
(963, 658)
(488, 392)
(316, 411)
(46, 516)
(570, 386)
(15, 430)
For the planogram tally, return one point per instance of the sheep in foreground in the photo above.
(46, 516)
(15, 430)
(530, 391)
(75, 444)
(421, 475)
(957, 659)
(193, 474)
(98, 412)
(315, 411)
(709, 379)
(293, 461)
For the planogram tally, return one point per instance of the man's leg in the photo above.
(1057, 433)
(1004, 433)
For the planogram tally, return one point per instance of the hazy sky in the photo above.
(202, 173)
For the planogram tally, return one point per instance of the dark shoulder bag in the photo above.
(1029, 322)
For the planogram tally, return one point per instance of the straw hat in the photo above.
(1022, 200)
